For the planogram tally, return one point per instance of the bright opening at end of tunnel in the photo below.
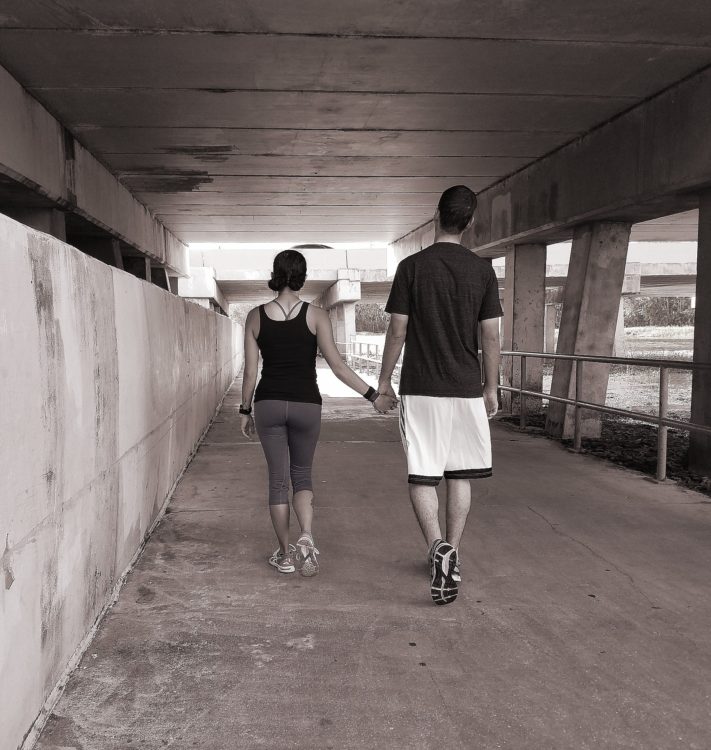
(277, 246)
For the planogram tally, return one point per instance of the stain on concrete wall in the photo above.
(107, 382)
(409, 244)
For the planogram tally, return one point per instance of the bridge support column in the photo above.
(620, 347)
(524, 312)
(340, 301)
(105, 249)
(343, 320)
(550, 316)
(591, 305)
(47, 220)
(700, 445)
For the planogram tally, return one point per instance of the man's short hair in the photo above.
(456, 208)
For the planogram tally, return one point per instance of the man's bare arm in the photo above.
(394, 341)
(491, 354)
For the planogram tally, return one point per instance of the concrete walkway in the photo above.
(583, 620)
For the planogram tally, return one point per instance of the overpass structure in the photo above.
(338, 279)
(130, 130)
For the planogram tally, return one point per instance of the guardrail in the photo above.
(662, 421)
(367, 357)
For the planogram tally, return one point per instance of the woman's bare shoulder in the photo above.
(316, 313)
(315, 317)
(252, 319)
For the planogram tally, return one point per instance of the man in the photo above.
(439, 297)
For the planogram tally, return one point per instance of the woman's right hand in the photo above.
(247, 425)
(384, 403)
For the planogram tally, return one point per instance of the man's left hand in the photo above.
(384, 403)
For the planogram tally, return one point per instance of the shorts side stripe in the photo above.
(423, 480)
(469, 473)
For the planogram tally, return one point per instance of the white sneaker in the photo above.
(306, 560)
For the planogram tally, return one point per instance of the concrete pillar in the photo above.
(524, 310)
(340, 301)
(550, 316)
(47, 220)
(202, 301)
(591, 304)
(104, 249)
(343, 320)
(620, 347)
(201, 284)
(116, 250)
(700, 445)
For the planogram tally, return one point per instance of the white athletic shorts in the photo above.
(445, 437)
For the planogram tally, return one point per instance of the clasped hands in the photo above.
(387, 399)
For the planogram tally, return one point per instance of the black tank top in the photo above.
(288, 359)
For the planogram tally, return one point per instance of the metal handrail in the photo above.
(368, 360)
(662, 421)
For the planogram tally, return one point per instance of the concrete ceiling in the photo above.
(265, 120)
(676, 227)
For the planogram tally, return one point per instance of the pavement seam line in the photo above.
(619, 570)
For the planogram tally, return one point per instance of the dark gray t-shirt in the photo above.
(445, 290)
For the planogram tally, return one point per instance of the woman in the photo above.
(287, 411)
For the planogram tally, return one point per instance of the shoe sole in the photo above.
(306, 564)
(443, 587)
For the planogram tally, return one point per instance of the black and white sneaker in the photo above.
(444, 572)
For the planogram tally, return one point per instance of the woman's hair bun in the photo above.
(289, 271)
(278, 281)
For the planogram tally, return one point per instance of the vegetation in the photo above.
(371, 318)
(652, 311)
(658, 311)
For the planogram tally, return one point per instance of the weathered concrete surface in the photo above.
(591, 303)
(242, 273)
(201, 284)
(345, 289)
(582, 622)
(264, 106)
(36, 150)
(700, 445)
(523, 322)
(646, 163)
(549, 19)
(107, 383)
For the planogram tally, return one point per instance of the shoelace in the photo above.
(306, 549)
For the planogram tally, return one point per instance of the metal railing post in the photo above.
(662, 430)
(521, 397)
(577, 430)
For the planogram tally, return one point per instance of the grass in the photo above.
(661, 332)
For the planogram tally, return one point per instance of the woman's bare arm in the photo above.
(327, 345)
(251, 357)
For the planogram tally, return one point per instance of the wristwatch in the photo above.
(371, 395)
(245, 409)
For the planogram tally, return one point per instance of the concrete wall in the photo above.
(38, 152)
(644, 164)
(107, 383)
(409, 245)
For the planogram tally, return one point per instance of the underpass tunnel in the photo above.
(153, 160)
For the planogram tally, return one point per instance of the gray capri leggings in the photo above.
(288, 431)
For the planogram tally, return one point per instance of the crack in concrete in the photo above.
(625, 574)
